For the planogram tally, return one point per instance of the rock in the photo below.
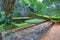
(20, 9)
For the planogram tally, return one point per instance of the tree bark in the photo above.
(7, 7)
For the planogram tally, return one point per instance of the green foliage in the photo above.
(2, 26)
(21, 18)
(35, 21)
(6, 15)
(21, 25)
(52, 8)
(2, 15)
(46, 8)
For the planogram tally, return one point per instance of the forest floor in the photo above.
(52, 34)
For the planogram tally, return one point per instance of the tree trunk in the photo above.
(7, 7)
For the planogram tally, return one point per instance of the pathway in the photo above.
(51, 34)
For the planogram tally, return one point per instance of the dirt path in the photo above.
(51, 34)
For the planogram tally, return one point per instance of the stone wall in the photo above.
(26, 34)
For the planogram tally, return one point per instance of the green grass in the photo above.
(53, 17)
(21, 24)
(21, 18)
(35, 21)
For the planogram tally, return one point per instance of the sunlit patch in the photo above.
(40, 1)
(53, 5)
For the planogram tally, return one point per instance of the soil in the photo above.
(52, 34)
